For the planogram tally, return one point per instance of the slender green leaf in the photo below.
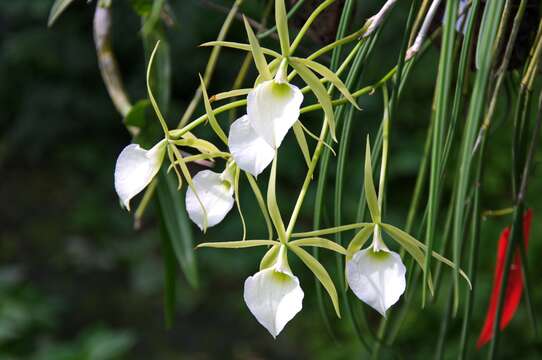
(320, 242)
(210, 115)
(332, 230)
(270, 257)
(331, 77)
(359, 240)
(442, 100)
(152, 99)
(272, 206)
(177, 225)
(56, 10)
(201, 145)
(257, 53)
(281, 21)
(238, 244)
(370, 191)
(320, 272)
(273, 67)
(414, 251)
(302, 142)
(160, 73)
(230, 94)
(240, 46)
(407, 238)
(319, 90)
(312, 135)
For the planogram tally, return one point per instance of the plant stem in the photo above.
(211, 64)
(444, 80)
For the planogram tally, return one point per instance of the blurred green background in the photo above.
(78, 282)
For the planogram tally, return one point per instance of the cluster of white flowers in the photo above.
(376, 275)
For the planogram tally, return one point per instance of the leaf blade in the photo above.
(302, 142)
(331, 77)
(321, 243)
(321, 274)
(257, 53)
(281, 21)
(242, 244)
(240, 46)
(210, 115)
(319, 91)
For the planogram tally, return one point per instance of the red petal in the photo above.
(514, 286)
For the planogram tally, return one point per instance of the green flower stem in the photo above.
(211, 64)
(337, 43)
(308, 23)
(306, 182)
(385, 148)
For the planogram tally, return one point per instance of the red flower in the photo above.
(514, 287)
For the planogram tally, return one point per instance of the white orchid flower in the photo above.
(135, 169)
(272, 109)
(215, 191)
(376, 275)
(273, 295)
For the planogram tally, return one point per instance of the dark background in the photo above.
(77, 282)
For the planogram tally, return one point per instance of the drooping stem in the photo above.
(108, 63)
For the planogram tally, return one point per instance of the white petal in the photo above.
(135, 169)
(377, 278)
(274, 298)
(273, 109)
(250, 151)
(215, 194)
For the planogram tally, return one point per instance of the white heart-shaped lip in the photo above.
(274, 297)
(215, 191)
(249, 150)
(135, 169)
(376, 278)
(272, 109)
